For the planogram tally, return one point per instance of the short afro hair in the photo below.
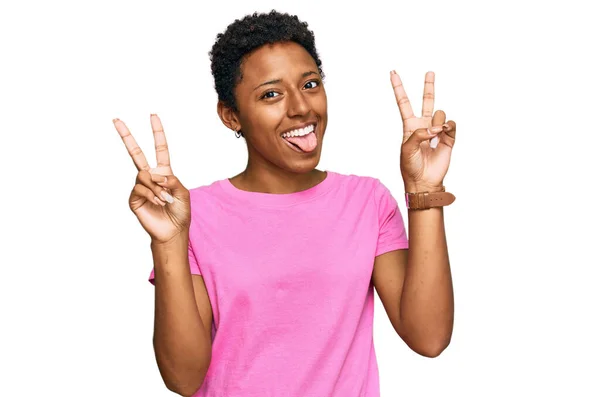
(243, 36)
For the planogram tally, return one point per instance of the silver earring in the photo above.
(238, 134)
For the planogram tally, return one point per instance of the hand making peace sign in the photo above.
(427, 142)
(158, 199)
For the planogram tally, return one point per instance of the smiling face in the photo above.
(282, 108)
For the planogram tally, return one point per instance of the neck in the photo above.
(276, 180)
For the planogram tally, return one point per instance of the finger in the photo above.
(450, 129)
(428, 95)
(439, 118)
(141, 191)
(159, 179)
(447, 139)
(132, 147)
(419, 136)
(160, 142)
(175, 186)
(145, 178)
(171, 184)
(406, 111)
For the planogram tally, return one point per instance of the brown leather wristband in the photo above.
(426, 200)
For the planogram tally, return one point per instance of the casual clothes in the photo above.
(289, 280)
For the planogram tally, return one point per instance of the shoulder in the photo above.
(368, 189)
(361, 184)
(202, 191)
(207, 195)
(205, 190)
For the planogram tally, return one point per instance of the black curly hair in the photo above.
(245, 35)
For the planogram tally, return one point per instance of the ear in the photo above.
(228, 117)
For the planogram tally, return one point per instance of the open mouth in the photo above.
(302, 140)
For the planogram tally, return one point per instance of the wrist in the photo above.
(175, 243)
(172, 253)
(420, 187)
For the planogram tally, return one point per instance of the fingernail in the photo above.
(434, 142)
(168, 198)
(436, 129)
(446, 126)
(158, 201)
(393, 72)
(115, 120)
(152, 114)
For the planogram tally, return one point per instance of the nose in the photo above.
(297, 104)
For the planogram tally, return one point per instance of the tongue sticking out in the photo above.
(306, 143)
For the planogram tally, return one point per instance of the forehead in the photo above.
(276, 61)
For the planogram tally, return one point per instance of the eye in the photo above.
(268, 94)
(314, 82)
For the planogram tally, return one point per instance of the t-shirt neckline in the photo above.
(279, 200)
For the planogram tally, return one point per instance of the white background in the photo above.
(519, 78)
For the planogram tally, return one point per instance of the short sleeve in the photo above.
(392, 233)
(194, 267)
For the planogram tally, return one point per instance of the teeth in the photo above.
(299, 132)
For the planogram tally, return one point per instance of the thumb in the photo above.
(172, 183)
(413, 143)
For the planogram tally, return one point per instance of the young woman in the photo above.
(264, 281)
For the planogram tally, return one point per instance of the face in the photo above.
(282, 107)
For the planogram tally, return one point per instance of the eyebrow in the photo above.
(305, 74)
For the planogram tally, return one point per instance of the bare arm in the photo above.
(183, 316)
(427, 304)
(182, 321)
(415, 285)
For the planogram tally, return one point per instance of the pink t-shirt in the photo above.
(289, 280)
